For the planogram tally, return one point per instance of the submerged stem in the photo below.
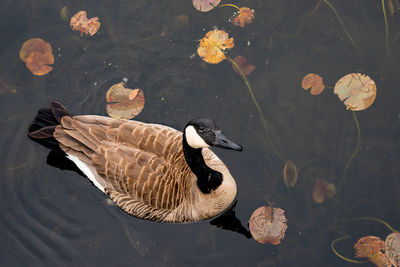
(386, 25)
(340, 256)
(374, 219)
(258, 108)
(341, 22)
(355, 149)
(232, 5)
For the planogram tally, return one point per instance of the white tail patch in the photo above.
(193, 139)
(86, 170)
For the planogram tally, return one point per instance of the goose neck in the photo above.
(207, 178)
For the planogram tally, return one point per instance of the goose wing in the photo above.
(140, 165)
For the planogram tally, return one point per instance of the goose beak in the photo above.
(222, 141)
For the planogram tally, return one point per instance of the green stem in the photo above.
(355, 149)
(386, 25)
(374, 219)
(341, 22)
(230, 5)
(258, 108)
(340, 256)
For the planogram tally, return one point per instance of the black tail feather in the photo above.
(42, 128)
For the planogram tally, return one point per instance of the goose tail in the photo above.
(44, 124)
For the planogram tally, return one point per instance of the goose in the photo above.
(150, 171)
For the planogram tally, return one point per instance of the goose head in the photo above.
(203, 132)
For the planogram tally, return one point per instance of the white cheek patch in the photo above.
(194, 140)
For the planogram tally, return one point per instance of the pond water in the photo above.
(54, 217)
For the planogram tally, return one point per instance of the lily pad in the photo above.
(371, 247)
(124, 103)
(79, 22)
(205, 5)
(212, 46)
(37, 54)
(313, 81)
(357, 91)
(290, 174)
(392, 248)
(267, 225)
(323, 189)
(244, 67)
(243, 17)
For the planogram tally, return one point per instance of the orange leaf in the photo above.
(267, 226)
(242, 63)
(37, 54)
(34, 45)
(371, 247)
(79, 22)
(244, 16)
(212, 46)
(313, 81)
(37, 63)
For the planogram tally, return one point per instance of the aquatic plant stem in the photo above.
(386, 25)
(374, 219)
(341, 22)
(355, 149)
(257, 107)
(230, 5)
(340, 256)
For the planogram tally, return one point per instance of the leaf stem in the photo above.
(386, 25)
(232, 5)
(340, 256)
(354, 151)
(341, 22)
(257, 107)
(374, 219)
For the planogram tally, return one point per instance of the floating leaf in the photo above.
(79, 22)
(244, 16)
(267, 226)
(313, 81)
(212, 46)
(370, 247)
(356, 90)
(392, 248)
(124, 103)
(242, 63)
(64, 13)
(37, 54)
(205, 5)
(289, 174)
(323, 189)
(37, 63)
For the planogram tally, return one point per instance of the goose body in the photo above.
(150, 171)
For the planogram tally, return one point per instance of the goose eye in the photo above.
(201, 129)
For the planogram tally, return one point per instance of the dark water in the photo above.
(51, 217)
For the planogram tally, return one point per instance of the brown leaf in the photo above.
(244, 16)
(323, 189)
(205, 5)
(313, 81)
(244, 67)
(289, 174)
(124, 103)
(371, 247)
(267, 226)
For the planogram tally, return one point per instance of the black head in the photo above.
(204, 132)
